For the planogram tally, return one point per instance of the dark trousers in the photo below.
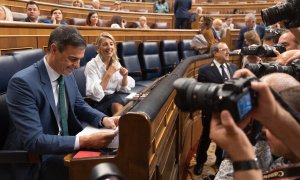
(181, 23)
(204, 142)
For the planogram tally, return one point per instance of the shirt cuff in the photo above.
(76, 146)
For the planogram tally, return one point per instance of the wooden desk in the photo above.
(231, 38)
(155, 136)
(21, 35)
(228, 8)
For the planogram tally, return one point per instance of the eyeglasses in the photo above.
(224, 49)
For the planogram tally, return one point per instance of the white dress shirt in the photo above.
(220, 69)
(53, 75)
(94, 72)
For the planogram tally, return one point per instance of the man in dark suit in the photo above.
(33, 12)
(47, 110)
(250, 21)
(218, 71)
(182, 15)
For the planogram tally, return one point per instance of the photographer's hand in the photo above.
(243, 73)
(230, 137)
(288, 57)
(275, 118)
(233, 140)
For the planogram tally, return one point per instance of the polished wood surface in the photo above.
(21, 35)
(155, 136)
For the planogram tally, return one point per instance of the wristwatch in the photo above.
(245, 165)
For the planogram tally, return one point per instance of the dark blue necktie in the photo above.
(224, 75)
(62, 106)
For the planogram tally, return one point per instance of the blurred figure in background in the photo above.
(228, 23)
(5, 14)
(92, 19)
(78, 3)
(161, 6)
(117, 22)
(143, 23)
(56, 17)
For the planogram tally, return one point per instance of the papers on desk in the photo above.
(90, 130)
(136, 96)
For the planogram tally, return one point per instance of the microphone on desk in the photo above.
(106, 171)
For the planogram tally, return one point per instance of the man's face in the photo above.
(249, 23)
(228, 21)
(288, 41)
(222, 55)
(33, 12)
(68, 60)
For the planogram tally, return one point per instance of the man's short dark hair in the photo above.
(32, 3)
(64, 36)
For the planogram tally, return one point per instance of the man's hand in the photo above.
(230, 137)
(96, 140)
(288, 57)
(243, 73)
(111, 122)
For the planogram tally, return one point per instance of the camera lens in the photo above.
(197, 95)
(251, 50)
(277, 13)
(255, 69)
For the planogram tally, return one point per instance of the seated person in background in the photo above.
(236, 11)
(32, 11)
(217, 27)
(117, 22)
(117, 6)
(56, 17)
(252, 39)
(78, 3)
(95, 4)
(5, 14)
(206, 30)
(161, 6)
(143, 23)
(284, 84)
(105, 77)
(228, 23)
(38, 98)
(92, 19)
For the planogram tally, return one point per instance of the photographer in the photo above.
(218, 71)
(289, 89)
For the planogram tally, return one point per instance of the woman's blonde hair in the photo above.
(8, 14)
(80, 1)
(252, 37)
(106, 35)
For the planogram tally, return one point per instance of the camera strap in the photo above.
(284, 172)
(286, 106)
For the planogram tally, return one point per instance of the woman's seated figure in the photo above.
(56, 17)
(78, 3)
(105, 77)
(117, 22)
(161, 6)
(92, 19)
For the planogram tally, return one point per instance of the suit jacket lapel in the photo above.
(46, 86)
(69, 91)
(216, 72)
(230, 69)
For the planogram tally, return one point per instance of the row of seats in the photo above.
(9, 65)
(144, 63)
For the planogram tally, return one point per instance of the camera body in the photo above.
(234, 95)
(263, 51)
(261, 69)
(289, 12)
